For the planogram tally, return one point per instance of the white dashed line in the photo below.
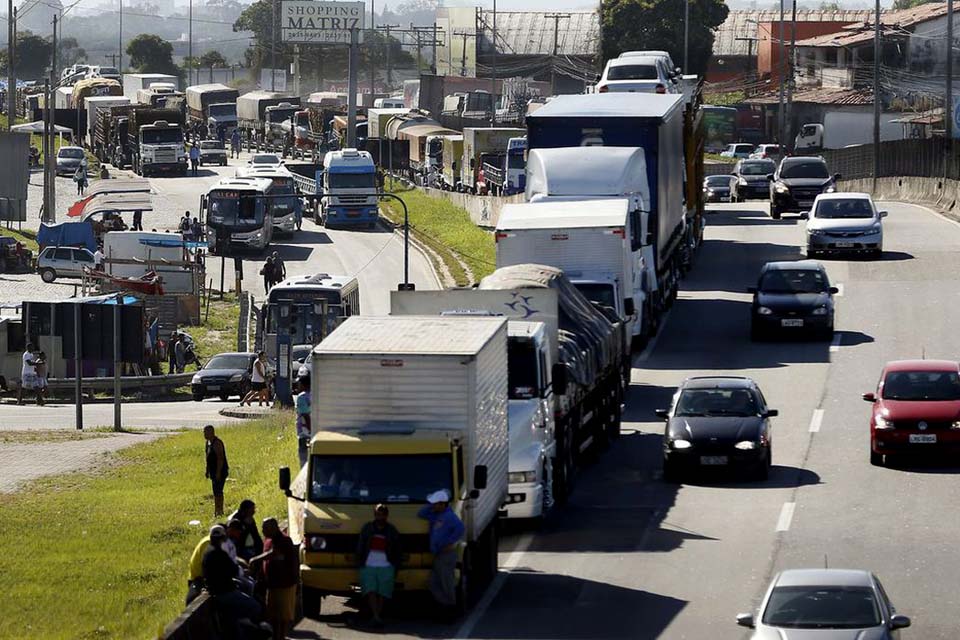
(835, 343)
(816, 420)
(786, 516)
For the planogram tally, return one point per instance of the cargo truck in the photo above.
(157, 95)
(258, 111)
(93, 87)
(134, 82)
(590, 240)
(479, 141)
(109, 135)
(349, 189)
(504, 174)
(402, 407)
(96, 105)
(156, 141)
(214, 106)
(452, 156)
(648, 167)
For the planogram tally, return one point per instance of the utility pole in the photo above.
(876, 96)
(273, 45)
(120, 41)
(296, 69)
(686, 36)
(600, 39)
(352, 91)
(386, 29)
(556, 17)
(436, 66)
(11, 74)
(783, 78)
(190, 45)
(948, 115)
(419, 45)
(788, 124)
(373, 68)
(493, 76)
(463, 52)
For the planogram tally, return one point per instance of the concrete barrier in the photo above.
(197, 622)
(484, 211)
(937, 193)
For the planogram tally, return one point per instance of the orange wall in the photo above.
(768, 35)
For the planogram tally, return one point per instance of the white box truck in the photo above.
(593, 242)
(94, 105)
(134, 82)
(402, 407)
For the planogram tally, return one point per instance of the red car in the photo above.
(916, 409)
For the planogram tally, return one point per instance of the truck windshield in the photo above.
(287, 205)
(162, 136)
(599, 293)
(232, 208)
(350, 180)
(280, 115)
(223, 109)
(515, 161)
(522, 369)
(378, 478)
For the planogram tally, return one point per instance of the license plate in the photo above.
(844, 245)
(923, 438)
(353, 214)
(713, 460)
(213, 387)
(791, 322)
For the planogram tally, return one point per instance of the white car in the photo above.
(637, 74)
(764, 151)
(103, 72)
(63, 262)
(844, 222)
(738, 150)
(265, 160)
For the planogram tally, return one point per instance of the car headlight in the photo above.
(196, 379)
(781, 188)
(316, 543)
(955, 425)
(820, 311)
(882, 423)
(745, 445)
(680, 443)
(830, 189)
(872, 231)
(764, 311)
(521, 477)
(237, 377)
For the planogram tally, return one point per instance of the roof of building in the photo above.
(531, 33)
(893, 24)
(819, 95)
(743, 24)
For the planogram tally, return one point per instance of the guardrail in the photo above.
(127, 383)
(196, 622)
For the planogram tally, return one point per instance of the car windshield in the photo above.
(70, 153)
(743, 148)
(265, 158)
(922, 385)
(300, 352)
(222, 361)
(373, 479)
(718, 181)
(846, 208)
(805, 169)
(716, 402)
(632, 72)
(793, 281)
(757, 168)
(211, 144)
(813, 607)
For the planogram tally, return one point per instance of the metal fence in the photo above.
(920, 158)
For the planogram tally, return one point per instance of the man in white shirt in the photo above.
(98, 259)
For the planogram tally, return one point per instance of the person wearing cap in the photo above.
(378, 555)
(219, 572)
(195, 572)
(281, 572)
(446, 529)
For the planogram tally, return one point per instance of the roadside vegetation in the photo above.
(104, 554)
(217, 332)
(27, 237)
(446, 229)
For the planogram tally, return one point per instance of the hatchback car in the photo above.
(792, 297)
(265, 160)
(844, 222)
(750, 180)
(213, 152)
(637, 74)
(717, 188)
(738, 150)
(764, 151)
(63, 262)
(797, 182)
(825, 604)
(916, 409)
(224, 375)
(69, 159)
(717, 422)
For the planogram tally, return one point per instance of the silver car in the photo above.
(825, 604)
(63, 262)
(844, 223)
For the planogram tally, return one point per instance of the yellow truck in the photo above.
(402, 406)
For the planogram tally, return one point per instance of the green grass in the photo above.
(104, 555)
(27, 237)
(716, 157)
(219, 333)
(445, 228)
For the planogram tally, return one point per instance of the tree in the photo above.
(830, 5)
(32, 56)
(151, 54)
(69, 52)
(658, 25)
(213, 59)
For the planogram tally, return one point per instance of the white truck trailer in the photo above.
(134, 82)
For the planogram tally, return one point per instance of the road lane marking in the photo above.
(816, 420)
(513, 560)
(786, 516)
(835, 343)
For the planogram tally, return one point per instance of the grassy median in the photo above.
(446, 229)
(217, 332)
(104, 554)
(25, 236)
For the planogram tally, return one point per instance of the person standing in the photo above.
(180, 353)
(217, 467)
(281, 571)
(196, 230)
(194, 158)
(378, 554)
(267, 272)
(235, 144)
(258, 381)
(172, 352)
(80, 177)
(304, 430)
(138, 220)
(446, 529)
(279, 268)
(28, 374)
(98, 259)
(251, 544)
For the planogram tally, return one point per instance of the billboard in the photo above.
(15, 149)
(321, 22)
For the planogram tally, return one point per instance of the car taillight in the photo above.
(603, 89)
(661, 88)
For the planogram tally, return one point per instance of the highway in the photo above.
(634, 557)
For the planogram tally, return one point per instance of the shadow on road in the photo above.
(305, 236)
(781, 477)
(896, 256)
(853, 338)
(728, 265)
(746, 218)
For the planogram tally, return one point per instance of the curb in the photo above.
(248, 413)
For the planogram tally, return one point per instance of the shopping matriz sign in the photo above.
(311, 22)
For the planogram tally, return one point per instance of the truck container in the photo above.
(157, 95)
(590, 240)
(63, 98)
(134, 82)
(416, 128)
(377, 120)
(110, 135)
(505, 174)
(95, 105)
(478, 141)
(407, 406)
(93, 87)
(252, 111)
(651, 133)
(452, 156)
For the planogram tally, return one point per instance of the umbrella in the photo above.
(37, 127)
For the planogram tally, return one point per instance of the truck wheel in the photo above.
(564, 469)
(311, 601)
(48, 275)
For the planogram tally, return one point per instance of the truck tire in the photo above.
(564, 468)
(311, 601)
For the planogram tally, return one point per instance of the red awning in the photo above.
(77, 207)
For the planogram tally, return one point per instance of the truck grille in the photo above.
(352, 200)
(347, 543)
(165, 156)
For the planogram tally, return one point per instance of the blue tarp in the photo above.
(67, 234)
(172, 242)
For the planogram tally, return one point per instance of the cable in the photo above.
(376, 255)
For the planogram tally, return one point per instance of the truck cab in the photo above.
(222, 115)
(275, 117)
(350, 189)
(161, 148)
(810, 138)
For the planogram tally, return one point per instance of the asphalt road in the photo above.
(634, 557)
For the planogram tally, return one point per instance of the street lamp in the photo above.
(405, 285)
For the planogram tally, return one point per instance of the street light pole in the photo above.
(11, 74)
(686, 35)
(493, 76)
(273, 45)
(406, 286)
(120, 42)
(876, 97)
(190, 45)
(783, 78)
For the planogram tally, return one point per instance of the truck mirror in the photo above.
(284, 479)
(559, 377)
(480, 477)
(628, 307)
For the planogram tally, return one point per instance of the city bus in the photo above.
(285, 204)
(237, 214)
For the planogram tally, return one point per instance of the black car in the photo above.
(717, 188)
(717, 422)
(749, 180)
(797, 182)
(224, 375)
(792, 297)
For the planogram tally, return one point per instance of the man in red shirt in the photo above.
(281, 572)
